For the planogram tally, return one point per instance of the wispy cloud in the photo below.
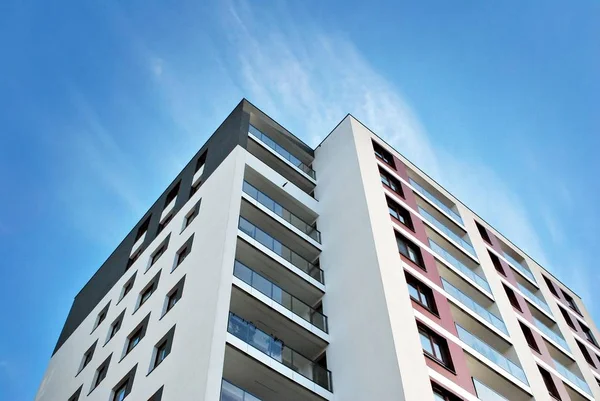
(312, 80)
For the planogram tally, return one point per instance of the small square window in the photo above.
(134, 340)
(133, 258)
(143, 228)
(123, 387)
(76, 394)
(87, 356)
(128, 286)
(101, 373)
(164, 223)
(157, 396)
(191, 215)
(194, 188)
(157, 254)
(148, 290)
(172, 300)
(172, 194)
(115, 326)
(174, 296)
(146, 294)
(163, 348)
(137, 334)
(101, 316)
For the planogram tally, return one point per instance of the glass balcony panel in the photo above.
(490, 353)
(552, 334)
(474, 306)
(435, 200)
(278, 351)
(247, 227)
(535, 299)
(484, 393)
(280, 296)
(572, 377)
(229, 392)
(455, 237)
(519, 267)
(459, 265)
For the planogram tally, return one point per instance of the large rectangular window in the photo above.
(383, 154)
(586, 353)
(483, 232)
(421, 293)
(551, 287)
(529, 338)
(549, 382)
(571, 302)
(435, 346)
(391, 182)
(409, 250)
(588, 334)
(400, 214)
(512, 297)
(497, 264)
(567, 318)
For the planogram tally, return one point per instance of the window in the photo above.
(136, 335)
(435, 346)
(567, 318)
(163, 348)
(530, 338)
(497, 264)
(571, 302)
(512, 297)
(164, 223)
(400, 214)
(586, 353)
(383, 154)
(133, 258)
(172, 194)
(588, 334)
(200, 162)
(87, 356)
(143, 228)
(440, 394)
(115, 326)
(128, 286)
(76, 394)
(549, 382)
(551, 287)
(409, 250)
(421, 293)
(101, 316)
(174, 296)
(184, 251)
(123, 387)
(195, 187)
(483, 232)
(191, 215)
(101, 372)
(157, 396)
(391, 182)
(148, 290)
(159, 251)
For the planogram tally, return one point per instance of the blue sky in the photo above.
(102, 103)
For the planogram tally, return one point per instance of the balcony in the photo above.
(229, 392)
(277, 294)
(279, 352)
(474, 306)
(462, 242)
(554, 336)
(460, 266)
(537, 301)
(281, 250)
(433, 199)
(492, 354)
(484, 393)
(519, 267)
(281, 211)
(572, 377)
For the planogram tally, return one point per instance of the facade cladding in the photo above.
(271, 271)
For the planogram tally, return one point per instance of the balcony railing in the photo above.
(474, 306)
(513, 262)
(275, 349)
(281, 151)
(572, 377)
(484, 393)
(551, 333)
(229, 392)
(535, 299)
(281, 250)
(435, 200)
(490, 353)
(280, 296)
(459, 265)
(279, 210)
(461, 241)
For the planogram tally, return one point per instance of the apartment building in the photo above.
(272, 271)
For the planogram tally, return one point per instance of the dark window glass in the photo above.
(161, 353)
(551, 286)
(146, 294)
(483, 232)
(76, 395)
(588, 334)
(497, 264)
(157, 396)
(512, 298)
(383, 154)
(172, 194)
(435, 346)
(440, 394)
(391, 182)
(567, 318)
(409, 250)
(421, 293)
(173, 298)
(157, 254)
(143, 228)
(182, 254)
(549, 383)
(200, 162)
(571, 302)
(400, 214)
(134, 339)
(586, 354)
(133, 258)
(164, 223)
(121, 392)
(87, 356)
(128, 286)
(529, 337)
(195, 188)
(101, 374)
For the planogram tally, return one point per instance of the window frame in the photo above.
(497, 264)
(483, 233)
(549, 383)
(163, 346)
(512, 297)
(383, 154)
(410, 247)
(529, 337)
(100, 373)
(423, 291)
(400, 212)
(439, 342)
(392, 183)
(570, 322)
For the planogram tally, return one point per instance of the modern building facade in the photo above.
(272, 271)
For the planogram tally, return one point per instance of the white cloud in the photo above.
(156, 66)
(310, 81)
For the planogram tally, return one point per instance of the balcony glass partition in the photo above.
(490, 353)
(275, 349)
(572, 377)
(484, 393)
(280, 249)
(552, 334)
(435, 200)
(474, 306)
(281, 151)
(459, 265)
(535, 299)
(519, 267)
(229, 392)
(280, 296)
(456, 238)
(279, 210)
